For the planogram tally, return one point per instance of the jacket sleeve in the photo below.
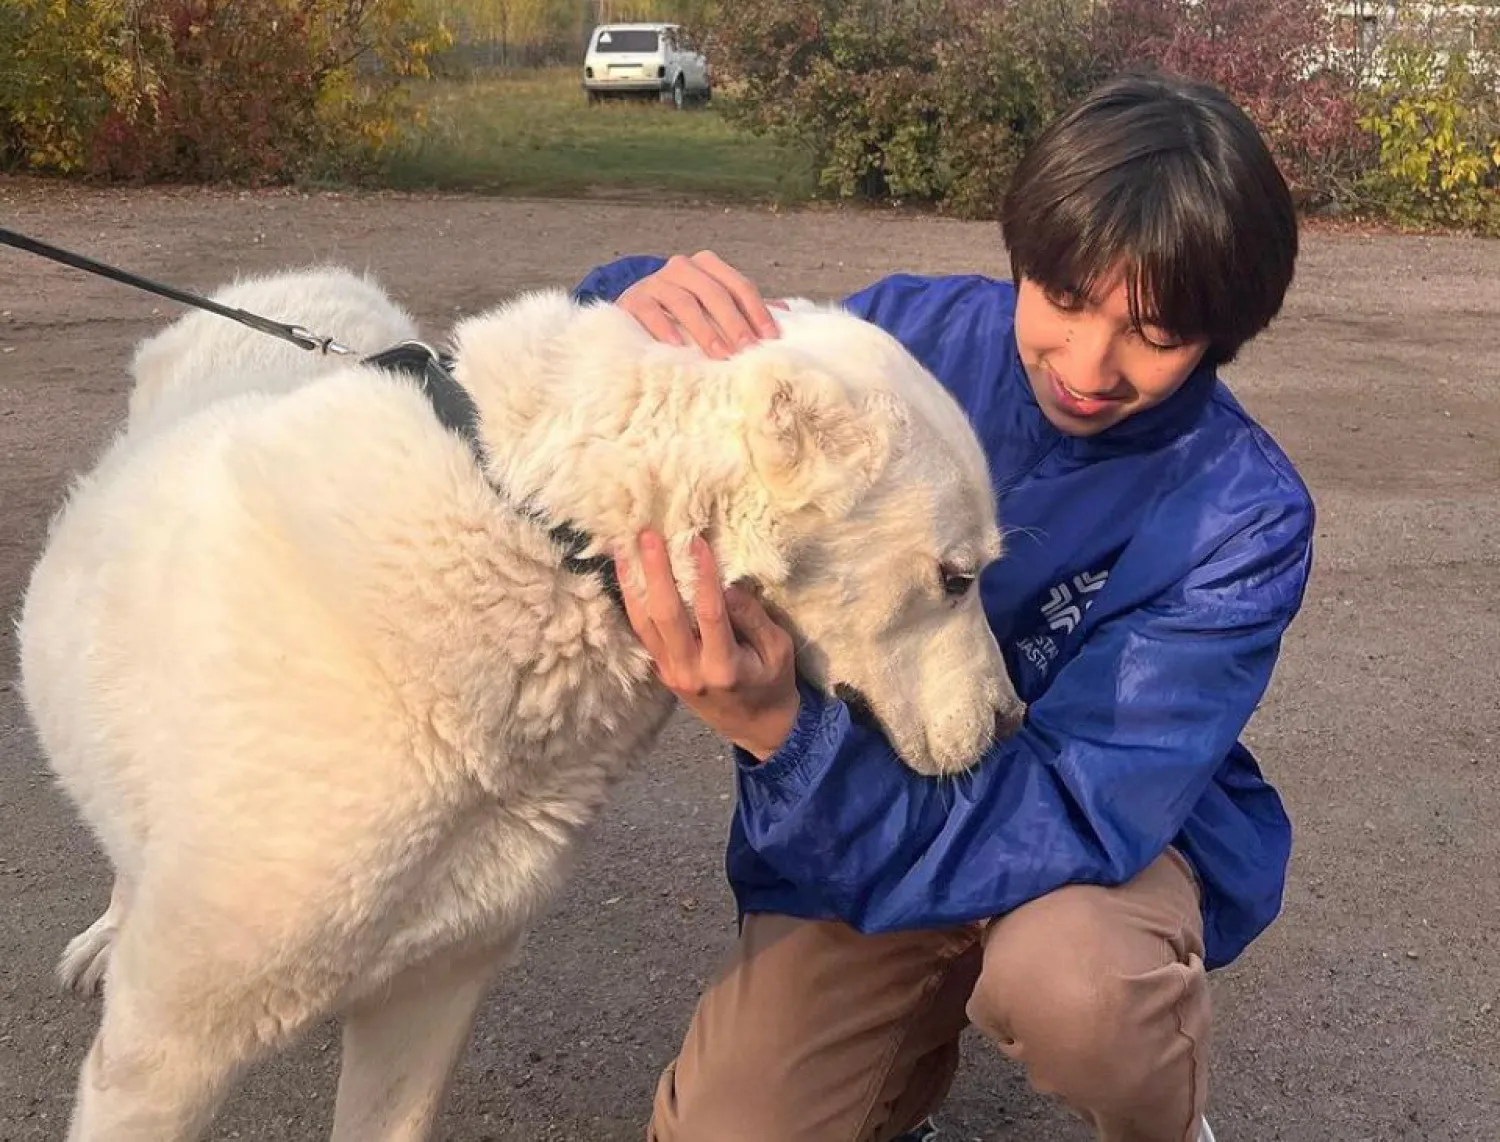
(1099, 780)
(609, 281)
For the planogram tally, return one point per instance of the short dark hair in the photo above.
(1168, 179)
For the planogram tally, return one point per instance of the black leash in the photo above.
(451, 402)
(298, 336)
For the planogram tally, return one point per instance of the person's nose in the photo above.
(1091, 369)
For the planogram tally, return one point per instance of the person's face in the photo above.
(1089, 367)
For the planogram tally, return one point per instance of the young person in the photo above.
(1070, 894)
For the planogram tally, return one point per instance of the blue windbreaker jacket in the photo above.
(1149, 576)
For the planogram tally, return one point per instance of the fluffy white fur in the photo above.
(336, 713)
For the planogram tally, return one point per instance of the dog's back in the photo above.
(205, 357)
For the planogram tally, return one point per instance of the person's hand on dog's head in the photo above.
(704, 300)
(736, 670)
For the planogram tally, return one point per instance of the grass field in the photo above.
(534, 132)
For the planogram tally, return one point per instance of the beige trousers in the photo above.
(815, 1033)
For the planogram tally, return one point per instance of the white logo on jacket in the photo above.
(1064, 609)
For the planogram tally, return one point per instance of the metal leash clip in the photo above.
(310, 340)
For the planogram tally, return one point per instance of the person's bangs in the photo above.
(1167, 183)
(1153, 232)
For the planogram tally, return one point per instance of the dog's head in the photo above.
(871, 519)
(825, 466)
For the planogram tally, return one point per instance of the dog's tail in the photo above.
(85, 960)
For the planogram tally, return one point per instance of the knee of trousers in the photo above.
(1061, 998)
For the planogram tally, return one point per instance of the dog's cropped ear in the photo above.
(813, 444)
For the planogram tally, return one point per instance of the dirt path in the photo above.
(1371, 1012)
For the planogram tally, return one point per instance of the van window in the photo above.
(628, 40)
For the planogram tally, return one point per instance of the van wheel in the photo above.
(679, 94)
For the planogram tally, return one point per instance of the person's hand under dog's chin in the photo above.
(736, 671)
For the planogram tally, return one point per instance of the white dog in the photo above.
(336, 703)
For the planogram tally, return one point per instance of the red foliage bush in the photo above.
(233, 95)
(206, 90)
(935, 100)
(1273, 58)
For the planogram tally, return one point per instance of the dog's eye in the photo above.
(956, 583)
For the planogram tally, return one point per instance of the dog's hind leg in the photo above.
(146, 1078)
(402, 1047)
(86, 958)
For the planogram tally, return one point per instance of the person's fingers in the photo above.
(684, 305)
(635, 610)
(749, 305)
(653, 316)
(770, 642)
(714, 296)
(665, 609)
(721, 653)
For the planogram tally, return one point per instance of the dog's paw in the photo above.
(86, 958)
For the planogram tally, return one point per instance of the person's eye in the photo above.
(1158, 339)
(1068, 300)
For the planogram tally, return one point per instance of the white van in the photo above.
(641, 59)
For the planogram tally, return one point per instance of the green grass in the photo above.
(534, 132)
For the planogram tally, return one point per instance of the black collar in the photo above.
(455, 408)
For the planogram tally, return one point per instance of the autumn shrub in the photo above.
(920, 100)
(1274, 59)
(1435, 113)
(935, 100)
(65, 63)
(210, 90)
(1014, 68)
(851, 82)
